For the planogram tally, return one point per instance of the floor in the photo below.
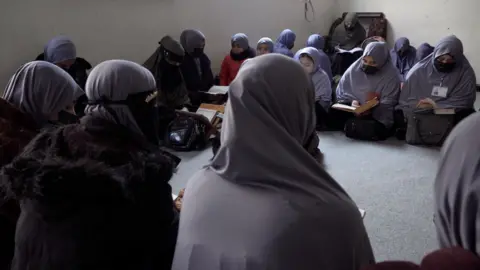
(392, 181)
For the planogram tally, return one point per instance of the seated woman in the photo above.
(457, 188)
(372, 76)
(116, 209)
(62, 52)
(347, 36)
(265, 45)
(423, 51)
(285, 206)
(350, 34)
(34, 96)
(285, 43)
(318, 42)
(240, 52)
(309, 58)
(446, 77)
(403, 57)
(165, 64)
(196, 68)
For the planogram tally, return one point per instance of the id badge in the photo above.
(439, 91)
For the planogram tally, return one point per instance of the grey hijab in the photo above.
(457, 188)
(191, 40)
(421, 79)
(60, 49)
(321, 81)
(268, 42)
(41, 89)
(115, 80)
(355, 84)
(277, 213)
(349, 39)
(241, 39)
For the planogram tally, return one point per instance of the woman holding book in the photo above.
(372, 77)
(444, 79)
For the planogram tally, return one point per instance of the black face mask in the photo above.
(197, 52)
(369, 70)
(145, 114)
(241, 56)
(444, 67)
(349, 27)
(291, 47)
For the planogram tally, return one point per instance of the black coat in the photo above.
(78, 70)
(90, 200)
(193, 80)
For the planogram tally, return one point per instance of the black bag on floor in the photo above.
(364, 129)
(426, 128)
(186, 134)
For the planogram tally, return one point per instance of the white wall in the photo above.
(130, 29)
(427, 21)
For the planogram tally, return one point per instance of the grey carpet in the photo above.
(392, 181)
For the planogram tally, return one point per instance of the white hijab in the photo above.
(114, 80)
(41, 89)
(265, 202)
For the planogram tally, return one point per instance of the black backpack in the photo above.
(186, 133)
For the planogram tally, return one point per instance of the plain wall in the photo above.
(427, 21)
(129, 29)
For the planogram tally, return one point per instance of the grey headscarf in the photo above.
(115, 80)
(421, 79)
(349, 39)
(321, 81)
(41, 89)
(268, 42)
(60, 49)
(191, 40)
(277, 213)
(355, 83)
(457, 188)
(241, 39)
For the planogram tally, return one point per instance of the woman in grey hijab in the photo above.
(265, 45)
(350, 34)
(457, 188)
(372, 76)
(282, 212)
(165, 64)
(446, 77)
(347, 36)
(41, 90)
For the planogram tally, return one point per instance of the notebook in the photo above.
(218, 90)
(358, 110)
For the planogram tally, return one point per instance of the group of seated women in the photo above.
(95, 194)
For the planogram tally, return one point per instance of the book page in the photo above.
(444, 111)
(209, 114)
(218, 90)
(343, 107)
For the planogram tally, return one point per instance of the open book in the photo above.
(428, 103)
(358, 110)
(211, 111)
(354, 50)
(218, 90)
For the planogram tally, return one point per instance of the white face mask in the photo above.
(307, 65)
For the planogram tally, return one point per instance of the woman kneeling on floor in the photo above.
(444, 79)
(371, 77)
